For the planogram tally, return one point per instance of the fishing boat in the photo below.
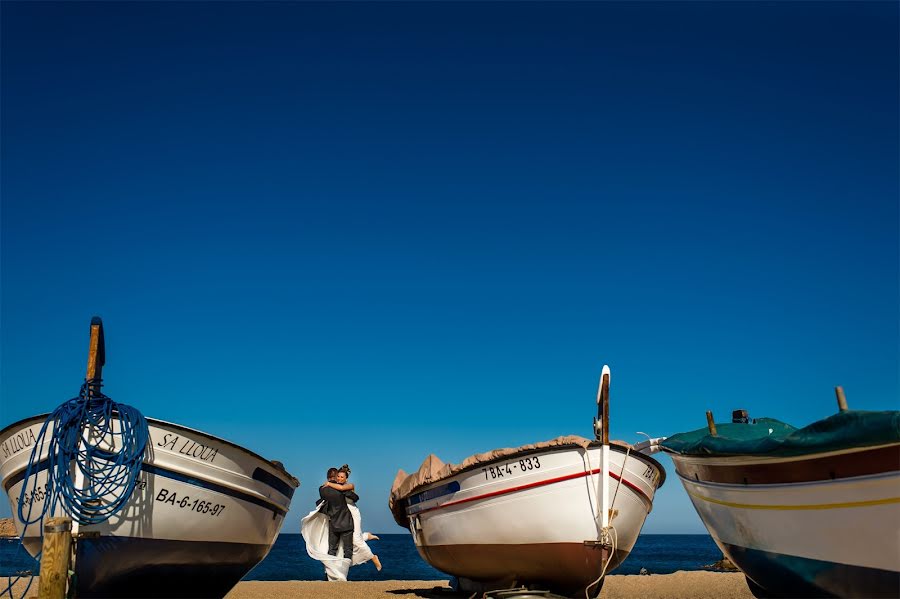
(557, 515)
(809, 512)
(202, 512)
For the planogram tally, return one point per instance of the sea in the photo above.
(658, 554)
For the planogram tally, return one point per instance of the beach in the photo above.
(700, 585)
(711, 585)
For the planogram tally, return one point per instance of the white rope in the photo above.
(619, 482)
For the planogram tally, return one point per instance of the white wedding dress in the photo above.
(314, 528)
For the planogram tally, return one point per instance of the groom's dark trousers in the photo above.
(340, 521)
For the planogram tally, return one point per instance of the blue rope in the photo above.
(109, 458)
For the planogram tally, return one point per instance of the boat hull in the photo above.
(562, 567)
(533, 518)
(204, 512)
(162, 568)
(814, 526)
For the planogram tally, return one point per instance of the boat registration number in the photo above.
(512, 467)
(37, 494)
(652, 475)
(184, 502)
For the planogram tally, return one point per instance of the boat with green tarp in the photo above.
(803, 512)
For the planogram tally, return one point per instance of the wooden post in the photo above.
(842, 401)
(55, 555)
(96, 350)
(95, 363)
(711, 423)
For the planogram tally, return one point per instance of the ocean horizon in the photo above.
(288, 560)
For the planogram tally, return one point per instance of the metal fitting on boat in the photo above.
(740, 417)
(521, 594)
(64, 526)
(605, 537)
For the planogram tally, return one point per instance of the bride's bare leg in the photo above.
(377, 562)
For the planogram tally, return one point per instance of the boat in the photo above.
(808, 512)
(532, 516)
(202, 512)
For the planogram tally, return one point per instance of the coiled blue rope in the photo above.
(84, 431)
(105, 441)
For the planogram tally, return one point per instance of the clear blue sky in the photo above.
(366, 232)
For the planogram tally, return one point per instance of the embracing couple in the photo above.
(333, 531)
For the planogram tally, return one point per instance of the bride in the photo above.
(314, 527)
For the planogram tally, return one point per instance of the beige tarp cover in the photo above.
(433, 470)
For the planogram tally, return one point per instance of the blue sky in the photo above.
(367, 232)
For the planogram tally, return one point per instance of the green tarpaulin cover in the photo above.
(767, 436)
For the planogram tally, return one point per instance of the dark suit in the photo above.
(340, 521)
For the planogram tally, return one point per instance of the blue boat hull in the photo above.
(790, 576)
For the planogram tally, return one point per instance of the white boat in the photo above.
(530, 515)
(204, 512)
(823, 522)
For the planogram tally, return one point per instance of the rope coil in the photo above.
(84, 430)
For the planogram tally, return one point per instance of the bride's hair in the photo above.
(345, 468)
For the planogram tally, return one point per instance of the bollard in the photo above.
(55, 555)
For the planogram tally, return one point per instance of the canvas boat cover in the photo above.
(770, 437)
(433, 470)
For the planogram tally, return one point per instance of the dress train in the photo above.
(314, 528)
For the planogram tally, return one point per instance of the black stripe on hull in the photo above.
(129, 567)
(10, 481)
(205, 484)
(765, 471)
(791, 576)
(173, 475)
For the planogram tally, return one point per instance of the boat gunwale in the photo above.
(569, 446)
(620, 479)
(290, 479)
(842, 464)
(759, 487)
(744, 459)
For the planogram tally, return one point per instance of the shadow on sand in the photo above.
(434, 593)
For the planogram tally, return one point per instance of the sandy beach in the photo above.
(680, 585)
(701, 585)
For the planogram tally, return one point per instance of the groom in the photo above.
(340, 521)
